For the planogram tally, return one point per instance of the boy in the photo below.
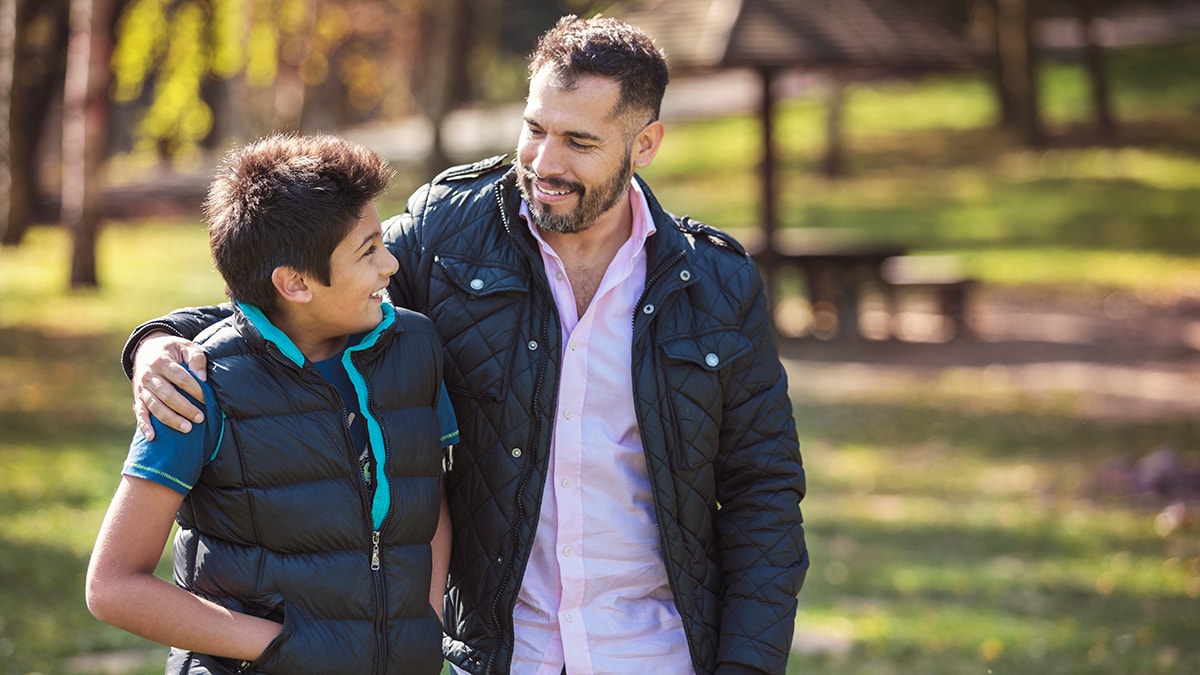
(308, 502)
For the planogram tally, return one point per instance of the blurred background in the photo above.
(978, 219)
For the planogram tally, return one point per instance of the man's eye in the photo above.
(580, 146)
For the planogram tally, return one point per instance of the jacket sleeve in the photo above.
(760, 482)
(187, 323)
(404, 237)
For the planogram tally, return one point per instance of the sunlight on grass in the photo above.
(144, 268)
(961, 531)
(1153, 276)
(954, 522)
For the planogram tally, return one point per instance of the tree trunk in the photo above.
(1005, 106)
(85, 108)
(1017, 54)
(8, 50)
(445, 52)
(833, 164)
(1094, 64)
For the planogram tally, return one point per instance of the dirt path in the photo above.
(1114, 355)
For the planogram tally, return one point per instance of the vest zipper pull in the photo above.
(375, 550)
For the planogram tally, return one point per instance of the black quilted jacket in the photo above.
(711, 400)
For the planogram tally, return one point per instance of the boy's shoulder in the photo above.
(408, 320)
(221, 336)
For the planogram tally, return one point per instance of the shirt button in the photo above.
(712, 360)
(567, 414)
(558, 275)
(567, 550)
(574, 345)
(516, 452)
(566, 482)
(569, 617)
(476, 284)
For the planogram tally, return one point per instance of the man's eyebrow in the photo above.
(582, 135)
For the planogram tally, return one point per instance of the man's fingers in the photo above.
(158, 379)
(164, 401)
(141, 417)
(164, 370)
(153, 400)
(197, 362)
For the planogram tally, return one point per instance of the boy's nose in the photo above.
(391, 265)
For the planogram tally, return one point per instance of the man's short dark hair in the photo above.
(610, 48)
(287, 200)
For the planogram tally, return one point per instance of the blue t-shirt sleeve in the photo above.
(175, 459)
(446, 419)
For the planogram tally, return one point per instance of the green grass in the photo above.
(951, 528)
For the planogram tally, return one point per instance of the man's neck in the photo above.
(587, 254)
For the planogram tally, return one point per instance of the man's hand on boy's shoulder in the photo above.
(159, 373)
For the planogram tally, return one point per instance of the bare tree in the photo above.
(8, 50)
(1094, 65)
(85, 111)
(442, 67)
(1017, 60)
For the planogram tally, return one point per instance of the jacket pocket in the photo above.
(697, 371)
(478, 308)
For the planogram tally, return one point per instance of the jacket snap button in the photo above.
(685, 275)
(476, 284)
(516, 452)
(712, 360)
(533, 345)
(648, 309)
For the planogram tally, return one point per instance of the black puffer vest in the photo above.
(281, 525)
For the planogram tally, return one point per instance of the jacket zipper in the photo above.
(376, 561)
(531, 446)
(658, 274)
(364, 500)
(659, 511)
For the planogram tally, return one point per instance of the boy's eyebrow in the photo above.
(370, 238)
(584, 135)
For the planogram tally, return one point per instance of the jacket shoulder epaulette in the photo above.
(717, 237)
(473, 171)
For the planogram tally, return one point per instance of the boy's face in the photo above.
(359, 271)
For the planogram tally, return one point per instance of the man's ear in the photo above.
(290, 284)
(647, 143)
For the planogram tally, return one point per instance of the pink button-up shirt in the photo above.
(595, 595)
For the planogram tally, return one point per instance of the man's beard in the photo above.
(592, 202)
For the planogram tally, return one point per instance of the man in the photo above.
(625, 495)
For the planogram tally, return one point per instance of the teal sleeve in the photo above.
(175, 459)
(447, 420)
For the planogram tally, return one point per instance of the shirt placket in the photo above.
(568, 474)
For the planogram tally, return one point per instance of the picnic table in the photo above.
(837, 268)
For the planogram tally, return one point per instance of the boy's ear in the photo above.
(290, 284)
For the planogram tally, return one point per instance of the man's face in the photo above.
(574, 158)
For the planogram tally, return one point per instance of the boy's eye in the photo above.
(370, 250)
